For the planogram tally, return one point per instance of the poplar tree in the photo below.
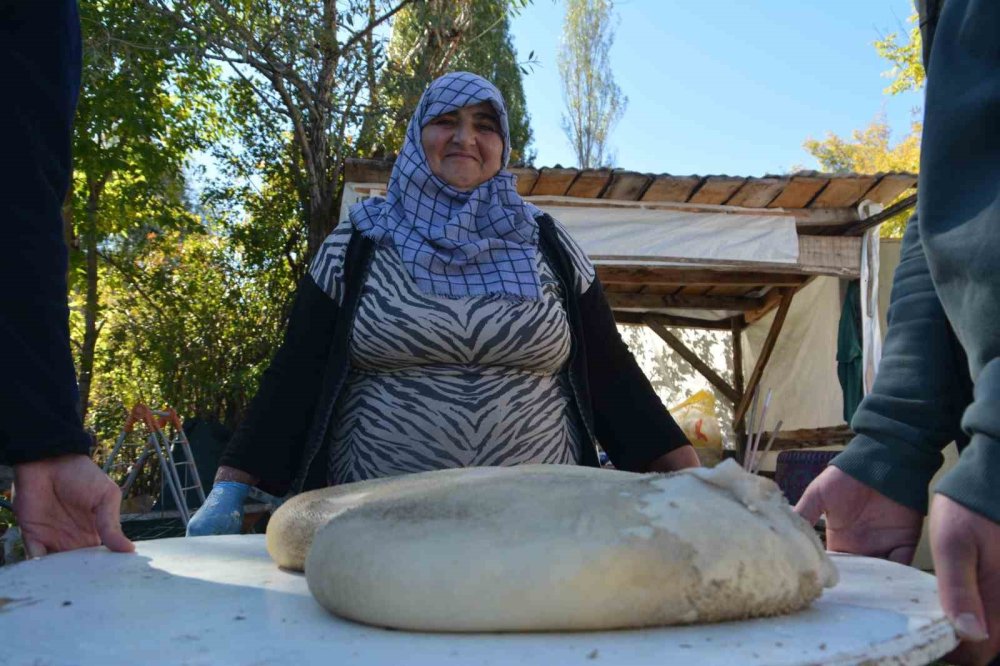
(594, 102)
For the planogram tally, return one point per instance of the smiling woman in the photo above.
(464, 147)
(451, 324)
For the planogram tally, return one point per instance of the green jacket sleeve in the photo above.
(915, 407)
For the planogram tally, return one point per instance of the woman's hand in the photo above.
(680, 458)
(222, 512)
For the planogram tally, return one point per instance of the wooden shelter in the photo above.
(830, 214)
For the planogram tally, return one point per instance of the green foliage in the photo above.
(437, 36)
(871, 150)
(907, 71)
(141, 113)
(179, 295)
(594, 102)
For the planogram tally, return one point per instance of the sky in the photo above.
(725, 86)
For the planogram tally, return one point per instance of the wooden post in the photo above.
(736, 328)
(675, 343)
(787, 293)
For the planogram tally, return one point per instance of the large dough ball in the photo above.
(556, 548)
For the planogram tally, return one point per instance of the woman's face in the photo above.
(464, 147)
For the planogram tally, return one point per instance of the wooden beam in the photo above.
(771, 300)
(674, 321)
(736, 328)
(765, 353)
(830, 255)
(680, 275)
(664, 301)
(864, 225)
(805, 218)
(678, 346)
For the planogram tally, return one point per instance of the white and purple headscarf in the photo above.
(455, 243)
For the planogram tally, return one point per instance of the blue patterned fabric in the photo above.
(455, 243)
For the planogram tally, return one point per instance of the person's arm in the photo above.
(268, 446)
(38, 394)
(62, 500)
(915, 407)
(632, 424)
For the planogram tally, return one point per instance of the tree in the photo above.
(141, 114)
(437, 36)
(594, 103)
(308, 65)
(907, 71)
(871, 150)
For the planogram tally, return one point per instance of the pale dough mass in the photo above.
(552, 548)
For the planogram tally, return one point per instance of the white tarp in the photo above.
(642, 235)
(632, 234)
(802, 371)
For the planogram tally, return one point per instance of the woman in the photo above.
(451, 324)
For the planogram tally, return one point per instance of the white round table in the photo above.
(221, 600)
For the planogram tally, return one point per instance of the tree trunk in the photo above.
(92, 306)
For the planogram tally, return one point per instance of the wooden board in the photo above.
(889, 187)
(221, 600)
(757, 192)
(694, 275)
(671, 188)
(526, 178)
(553, 182)
(627, 186)
(716, 190)
(589, 183)
(843, 192)
(799, 192)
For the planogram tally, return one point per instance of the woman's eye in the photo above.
(486, 127)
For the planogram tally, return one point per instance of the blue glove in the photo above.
(222, 512)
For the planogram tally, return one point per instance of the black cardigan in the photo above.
(287, 422)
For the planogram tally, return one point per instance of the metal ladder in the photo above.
(179, 476)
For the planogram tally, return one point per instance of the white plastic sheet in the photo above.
(659, 236)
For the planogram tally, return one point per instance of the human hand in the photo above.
(222, 512)
(967, 563)
(65, 503)
(859, 519)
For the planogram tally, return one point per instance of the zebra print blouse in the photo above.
(450, 382)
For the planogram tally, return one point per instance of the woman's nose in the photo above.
(463, 134)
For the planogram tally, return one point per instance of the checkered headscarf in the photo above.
(455, 243)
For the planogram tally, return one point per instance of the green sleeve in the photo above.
(972, 482)
(920, 392)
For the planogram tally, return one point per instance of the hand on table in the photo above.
(966, 549)
(860, 520)
(65, 503)
(222, 512)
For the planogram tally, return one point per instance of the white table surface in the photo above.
(221, 600)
